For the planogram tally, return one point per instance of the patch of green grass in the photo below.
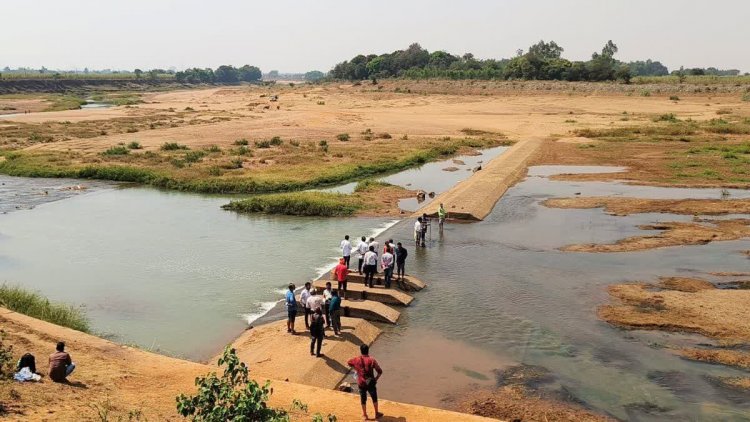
(194, 156)
(213, 149)
(370, 184)
(134, 145)
(64, 102)
(668, 117)
(343, 137)
(321, 204)
(117, 150)
(173, 146)
(33, 304)
(242, 141)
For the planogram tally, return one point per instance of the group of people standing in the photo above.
(393, 257)
(423, 225)
(323, 311)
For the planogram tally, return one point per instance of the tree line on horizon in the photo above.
(542, 61)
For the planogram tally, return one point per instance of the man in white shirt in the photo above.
(346, 249)
(303, 297)
(386, 262)
(376, 244)
(362, 249)
(315, 301)
(418, 231)
(371, 265)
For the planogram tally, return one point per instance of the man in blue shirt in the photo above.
(291, 309)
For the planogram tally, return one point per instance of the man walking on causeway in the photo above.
(340, 272)
(60, 364)
(371, 265)
(317, 332)
(367, 379)
(362, 249)
(346, 250)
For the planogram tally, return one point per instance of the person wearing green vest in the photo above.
(442, 214)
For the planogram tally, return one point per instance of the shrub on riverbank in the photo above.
(33, 304)
(298, 203)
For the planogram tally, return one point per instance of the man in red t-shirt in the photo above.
(367, 379)
(340, 273)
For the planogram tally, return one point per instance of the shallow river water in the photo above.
(173, 272)
(501, 286)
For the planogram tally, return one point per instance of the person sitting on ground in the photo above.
(386, 262)
(327, 295)
(303, 297)
(340, 273)
(367, 380)
(346, 250)
(291, 309)
(371, 265)
(317, 331)
(401, 254)
(442, 215)
(27, 361)
(60, 364)
(334, 308)
(362, 249)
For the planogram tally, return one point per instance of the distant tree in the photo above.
(623, 73)
(314, 75)
(681, 75)
(227, 74)
(138, 73)
(696, 71)
(545, 50)
(274, 74)
(249, 73)
(602, 65)
(153, 74)
(648, 68)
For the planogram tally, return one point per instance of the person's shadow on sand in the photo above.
(386, 418)
(75, 384)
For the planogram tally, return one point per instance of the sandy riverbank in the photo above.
(125, 379)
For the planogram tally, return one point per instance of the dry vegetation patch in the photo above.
(695, 307)
(699, 232)
(626, 206)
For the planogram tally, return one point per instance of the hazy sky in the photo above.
(300, 35)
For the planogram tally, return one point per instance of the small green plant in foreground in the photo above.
(33, 304)
(343, 137)
(233, 397)
(6, 359)
(134, 145)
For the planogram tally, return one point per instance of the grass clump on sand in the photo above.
(371, 184)
(64, 102)
(321, 204)
(18, 299)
